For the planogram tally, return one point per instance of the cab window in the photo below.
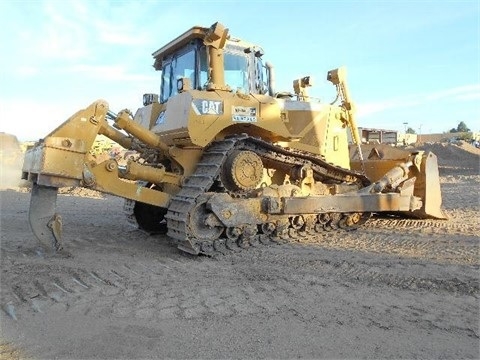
(180, 66)
(236, 72)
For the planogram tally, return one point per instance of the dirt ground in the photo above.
(393, 289)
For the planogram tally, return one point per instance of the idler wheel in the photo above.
(199, 224)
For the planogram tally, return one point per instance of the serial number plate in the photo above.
(244, 114)
(241, 118)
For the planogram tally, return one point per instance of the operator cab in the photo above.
(188, 57)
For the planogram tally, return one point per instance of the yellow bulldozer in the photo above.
(225, 161)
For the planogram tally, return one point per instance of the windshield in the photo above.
(236, 72)
(242, 71)
(182, 66)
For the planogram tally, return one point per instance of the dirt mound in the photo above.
(11, 161)
(454, 158)
(67, 191)
(81, 192)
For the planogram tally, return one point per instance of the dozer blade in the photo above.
(427, 187)
(380, 158)
(46, 224)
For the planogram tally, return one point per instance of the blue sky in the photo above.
(407, 61)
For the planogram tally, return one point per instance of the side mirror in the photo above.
(149, 99)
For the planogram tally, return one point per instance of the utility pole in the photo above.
(405, 124)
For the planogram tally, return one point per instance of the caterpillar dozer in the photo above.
(225, 161)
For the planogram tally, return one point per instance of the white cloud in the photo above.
(468, 97)
(64, 34)
(75, 31)
(458, 93)
(111, 36)
(106, 72)
(113, 33)
(27, 71)
(364, 109)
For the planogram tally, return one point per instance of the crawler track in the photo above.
(186, 207)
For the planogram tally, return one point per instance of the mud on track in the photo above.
(393, 289)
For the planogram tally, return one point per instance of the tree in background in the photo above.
(410, 131)
(462, 127)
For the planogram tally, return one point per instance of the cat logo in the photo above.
(207, 107)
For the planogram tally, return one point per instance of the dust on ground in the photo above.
(11, 160)
(395, 288)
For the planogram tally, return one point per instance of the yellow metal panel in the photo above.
(105, 179)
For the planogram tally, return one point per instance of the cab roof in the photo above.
(196, 32)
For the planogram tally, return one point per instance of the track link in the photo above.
(195, 191)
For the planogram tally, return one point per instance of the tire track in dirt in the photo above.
(147, 287)
(159, 283)
(434, 226)
(372, 272)
(412, 243)
(152, 291)
(141, 289)
(372, 276)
